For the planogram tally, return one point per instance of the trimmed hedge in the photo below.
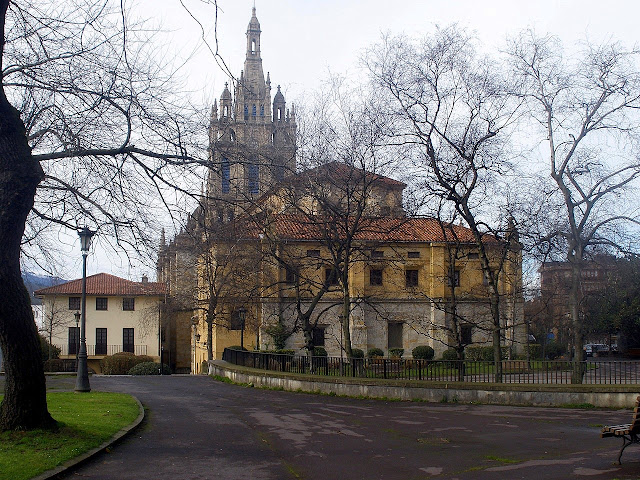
(149, 368)
(120, 363)
(423, 352)
(375, 352)
(319, 352)
(479, 354)
(450, 354)
(396, 352)
(357, 353)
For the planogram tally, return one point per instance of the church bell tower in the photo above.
(251, 138)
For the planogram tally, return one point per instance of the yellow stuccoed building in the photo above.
(121, 316)
(265, 240)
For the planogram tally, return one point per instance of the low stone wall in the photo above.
(606, 396)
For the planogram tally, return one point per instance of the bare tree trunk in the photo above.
(574, 308)
(24, 405)
(346, 315)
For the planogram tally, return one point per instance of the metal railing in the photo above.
(596, 372)
(102, 350)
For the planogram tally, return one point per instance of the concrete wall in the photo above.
(543, 396)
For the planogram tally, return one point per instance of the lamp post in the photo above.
(77, 345)
(196, 337)
(82, 380)
(242, 315)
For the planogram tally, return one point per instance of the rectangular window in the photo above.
(127, 340)
(454, 279)
(102, 303)
(101, 341)
(225, 173)
(411, 278)
(473, 255)
(290, 275)
(466, 334)
(313, 253)
(253, 174)
(128, 304)
(317, 335)
(395, 335)
(413, 254)
(74, 303)
(330, 276)
(236, 320)
(375, 276)
(377, 254)
(74, 340)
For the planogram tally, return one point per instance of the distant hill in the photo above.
(35, 282)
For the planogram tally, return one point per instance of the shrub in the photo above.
(237, 347)
(554, 350)
(535, 351)
(149, 368)
(44, 349)
(319, 352)
(120, 363)
(423, 352)
(479, 354)
(396, 352)
(357, 353)
(279, 334)
(450, 354)
(375, 352)
(285, 351)
(59, 365)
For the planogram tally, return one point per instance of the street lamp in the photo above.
(82, 380)
(77, 345)
(242, 315)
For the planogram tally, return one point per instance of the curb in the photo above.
(87, 455)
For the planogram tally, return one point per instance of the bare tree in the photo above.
(90, 134)
(55, 317)
(586, 113)
(451, 107)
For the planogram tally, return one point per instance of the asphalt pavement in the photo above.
(199, 428)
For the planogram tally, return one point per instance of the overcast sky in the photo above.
(303, 40)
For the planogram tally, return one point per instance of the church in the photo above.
(278, 257)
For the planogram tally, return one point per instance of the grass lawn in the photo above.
(86, 420)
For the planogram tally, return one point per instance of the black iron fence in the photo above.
(602, 372)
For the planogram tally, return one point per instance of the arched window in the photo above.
(232, 135)
(225, 173)
(225, 111)
(253, 175)
(273, 138)
(262, 110)
(279, 113)
(253, 110)
(246, 112)
(253, 46)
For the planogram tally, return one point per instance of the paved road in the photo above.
(198, 428)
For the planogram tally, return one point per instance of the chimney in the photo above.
(145, 279)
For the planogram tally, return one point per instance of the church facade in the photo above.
(261, 263)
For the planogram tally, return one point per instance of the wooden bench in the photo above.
(628, 432)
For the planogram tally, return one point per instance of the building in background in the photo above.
(121, 316)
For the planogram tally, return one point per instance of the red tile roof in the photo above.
(105, 284)
(376, 229)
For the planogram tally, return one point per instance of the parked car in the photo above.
(591, 349)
